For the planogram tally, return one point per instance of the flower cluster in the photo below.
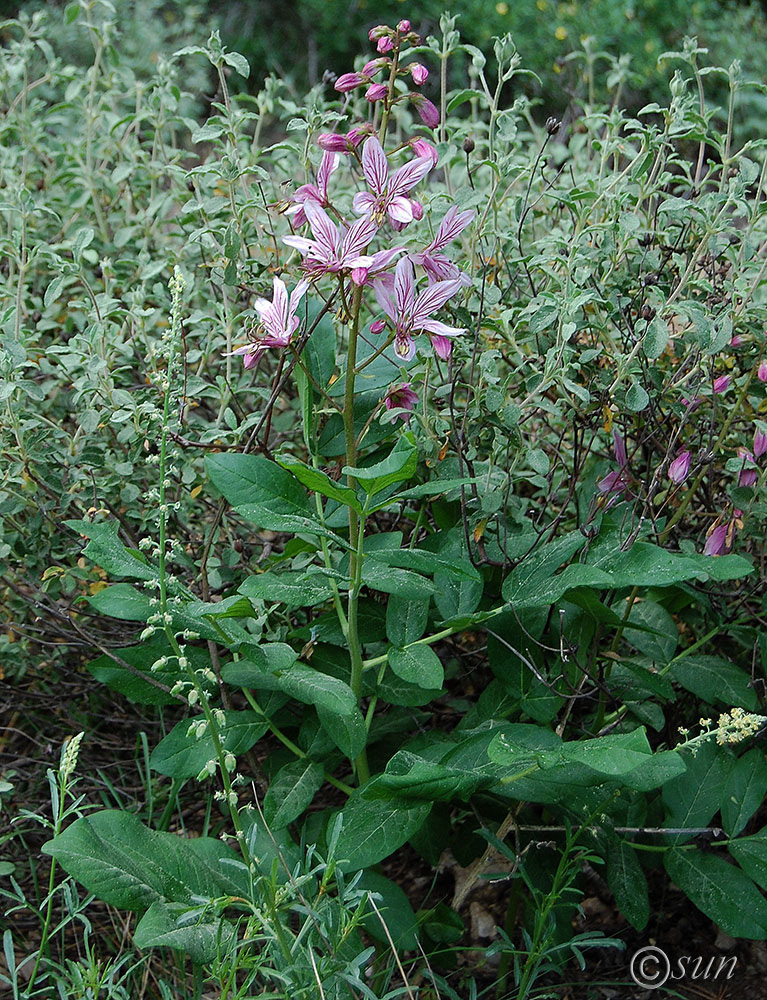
(737, 725)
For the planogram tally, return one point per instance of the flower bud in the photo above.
(721, 384)
(468, 145)
(359, 275)
(427, 111)
(419, 73)
(417, 208)
(374, 66)
(760, 443)
(403, 27)
(376, 92)
(378, 32)
(679, 469)
(349, 81)
(552, 125)
(761, 372)
(716, 543)
(422, 148)
(385, 44)
(377, 326)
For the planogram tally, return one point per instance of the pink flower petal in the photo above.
(374, 165)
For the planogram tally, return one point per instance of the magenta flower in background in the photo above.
(691, 404)
(748, 474)
(332, 251)
(436, 264)
(376, 92)
(401, 397)
(403, 27)
(378, 32)
(278, 319)
(616, 481)
(411, 313)
(419, 73)
(721, 384)
(761, 372)
(349, 81)
(334, 142)
(716, 542)
(385, 44)
(377, 326)
(388, 193)
(312, 192)
(760, 443)
(427, 111)
(423, 148)
(679, 469)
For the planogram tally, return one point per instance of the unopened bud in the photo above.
(468, 145)
(552, 125)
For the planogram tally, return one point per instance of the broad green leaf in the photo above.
(121, 600)
(181, 755)
(138, 687)
(318, 689)
(262, 663)
(660, 644)
(693, 798)
(409, 776)
(609, 755)
(183, 928)
(716, 681)
(406, 619)
(348, 730)
(394, 909)
(655, 338)
(107, 551)
(396, 691)
(227, 607)
(397, 467)
(291, 792)
(721, 890)
(319, 355)
(417, 665)
(373, 829)
(319, 482)
(521, 584)
(429, 563)
(289, 587)
(392, 580)
(751, 855)
(237, 61)
(627, 882)
(744, 792)
(127, 865)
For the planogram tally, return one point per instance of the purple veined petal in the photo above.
(613, 482)
(409, 175)
(298, 214)
(301, 243)
(363, 261)
(382, 258)
(328, 164)
(443, 347)
(400, 210)
(384, 293)
(280, 302)
(297, 294)
(619, 449)
(434, 298)
(375, 166)
(716, 542)
(363, 202)
(434, 326)
(356, 238)
(325, 231)
(404, 288)
(404, 346)
(452, 225)
(307, 192)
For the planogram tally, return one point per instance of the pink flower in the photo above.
(331, 251)
(376, 92)
(721, 384)
(385, 44)
(378, 32)
(748, 473)
(761, 372)
(679, 469)
(423, 148)
(436, 264)
(428, 112)
(312, 192)
(377, 326)
(403, 27)
(691, 404)
(419, 73)
(716, 542)
(388, 197)
(760, 443)
(349, 81)
(616, 481)
(401, 397)
(374, 66)
(334, 142)
(736, 341)
(278, 318)
(411, 314)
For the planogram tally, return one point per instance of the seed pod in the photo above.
(553, 125)
(468, 145)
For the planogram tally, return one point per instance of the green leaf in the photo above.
(627, 882)
(391, 580)
(123, 601)
(720, 890)
(660, 644)
(291, 792)
(637, 398)
(692, 799)
(237, 61)
(396, 691)
(744, 792)
(406, 619)
(348, 730)
(417, 665)
(716, 681)
(751, 855)
(655, 338)
(373, 829)
(318, 689)
(127, 865)
(610, 755)
(107, 551)
(245, 480)
(319, 482)
(294, 589)
(397, 467)
(409, 776)
(183, 928)
(181, 755)
(395, 912)
(137, 688)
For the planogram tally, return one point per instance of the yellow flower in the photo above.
(561, 33)
(502, 8)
